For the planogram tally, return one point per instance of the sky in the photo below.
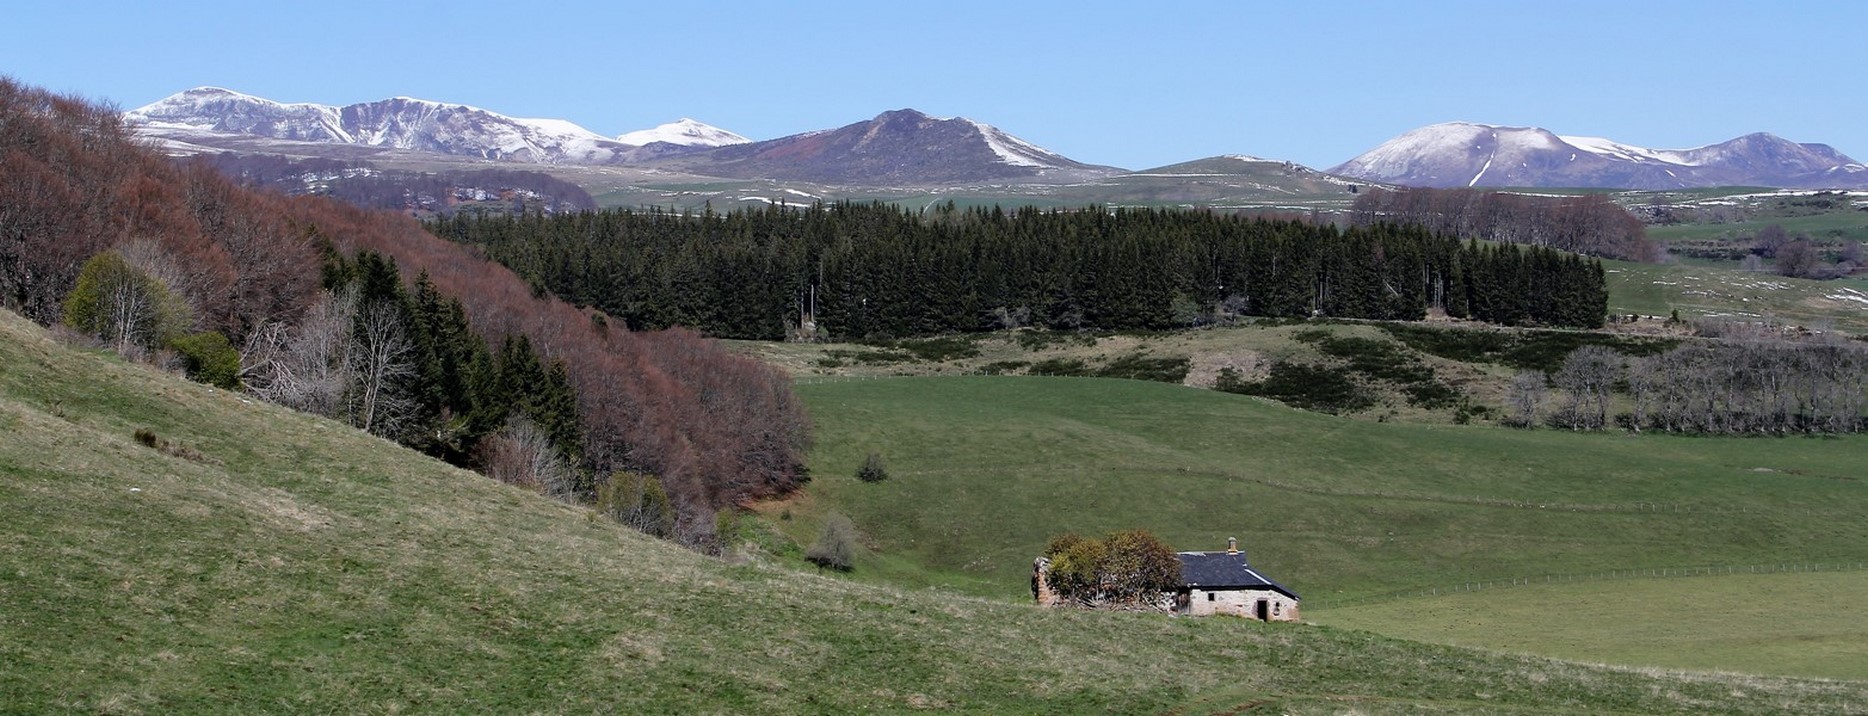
(1134, 85)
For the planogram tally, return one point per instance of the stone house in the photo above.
(1224, 583)
(1211, 583)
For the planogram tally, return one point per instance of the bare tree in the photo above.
(1586, 378)
(308, 368)
(381, 364)
(1797, 259)
(1525, 397)
(521, 453)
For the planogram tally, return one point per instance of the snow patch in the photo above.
(684, 132)
(1012, 150)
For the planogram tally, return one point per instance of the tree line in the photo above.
(1589, 224)
(442, 192)
(856, 270)
(363, 316)
(1752, 386)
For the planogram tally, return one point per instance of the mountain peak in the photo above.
(1456, 154)
(683, 132)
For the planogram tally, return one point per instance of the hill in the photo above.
(902, 147)
(320, 569)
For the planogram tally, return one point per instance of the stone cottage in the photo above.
(1224, 583)
(1211, 583)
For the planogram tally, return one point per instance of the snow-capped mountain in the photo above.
(897, 148)
(399, 123)
(1462, 154)
(684, 132)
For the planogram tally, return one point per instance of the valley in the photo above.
(1504, 477)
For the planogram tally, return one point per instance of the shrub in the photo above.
(1320, 388)
(1059, 366)
(124, 306)
(210, 359)
(1138, 366)
(1127, 567)
(836, 545)
(873, 469)
(638, 501)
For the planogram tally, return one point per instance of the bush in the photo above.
(836, 545)
(638, 501)
(1127, 567)
(873, 469)
(1059, 366)
(209, 359)
(1320, 388)
(1138, 366)
(124, 306)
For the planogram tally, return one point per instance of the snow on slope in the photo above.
(1012, 150)
(400, 122)
(1464, 154)
(1628, 152)
(684, 132)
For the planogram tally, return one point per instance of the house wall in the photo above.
(1242, 603)
(1040, 586)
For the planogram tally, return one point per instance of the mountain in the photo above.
(1461, 154)
(685, 133)
(897, 148)
(205, 115)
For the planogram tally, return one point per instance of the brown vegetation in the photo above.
(716, 428)
(1589, 224)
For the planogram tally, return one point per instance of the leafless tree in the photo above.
(1797, 259)
(306, 368)
(521, 453)
(1586, 379)
(381, 364)
(1525, 397)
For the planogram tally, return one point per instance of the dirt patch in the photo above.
(1250, 365)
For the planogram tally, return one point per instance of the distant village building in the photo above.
(1211, 583)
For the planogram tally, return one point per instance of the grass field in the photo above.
(1713, 292)
(985, 469)
(1807, 624)
(270, 562)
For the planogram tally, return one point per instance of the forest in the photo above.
(868, 271)
(419, 193)
(1589, 224)
(362, 316)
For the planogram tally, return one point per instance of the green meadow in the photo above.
(1352, 514)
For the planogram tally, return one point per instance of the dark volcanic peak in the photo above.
(1461, 154)
(898, 147)
(203, 113)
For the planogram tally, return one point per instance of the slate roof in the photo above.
(1223, 570)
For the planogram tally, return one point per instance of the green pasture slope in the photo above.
(1699, 291)
(260, 561)
(985, 469)
(1801, 623)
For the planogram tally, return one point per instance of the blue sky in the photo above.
(1127, 84)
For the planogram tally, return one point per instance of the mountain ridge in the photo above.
(1470, 154)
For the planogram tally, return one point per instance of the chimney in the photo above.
(1232, 545)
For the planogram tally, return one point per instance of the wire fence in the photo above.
(1328, 602)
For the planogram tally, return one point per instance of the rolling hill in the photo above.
(199, 569)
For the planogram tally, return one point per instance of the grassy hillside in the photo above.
(1713, 292)
(1787, 623)
(985, 469)
(255, 560)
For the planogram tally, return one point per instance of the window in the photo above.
(1209, 596)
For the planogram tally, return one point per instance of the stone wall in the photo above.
(1242, 603)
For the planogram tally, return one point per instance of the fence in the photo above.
(1571, 578)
